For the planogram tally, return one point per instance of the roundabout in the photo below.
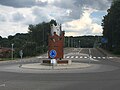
(73, 68)
(98, 74)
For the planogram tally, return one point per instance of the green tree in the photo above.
(39, 33)
(111, 29)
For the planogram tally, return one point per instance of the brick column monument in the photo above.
(56, 47)
(56, 42)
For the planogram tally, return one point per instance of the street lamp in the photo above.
(12, 50)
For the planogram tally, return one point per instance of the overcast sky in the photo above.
(78, 17)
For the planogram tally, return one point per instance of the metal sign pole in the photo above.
(53, 62)
(53, 54)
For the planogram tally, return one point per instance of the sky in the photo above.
(78, 17)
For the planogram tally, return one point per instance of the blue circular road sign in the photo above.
(104, 40)
(53, 53)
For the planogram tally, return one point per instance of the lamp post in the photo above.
(12, 50)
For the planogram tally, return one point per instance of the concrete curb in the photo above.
(58, 67)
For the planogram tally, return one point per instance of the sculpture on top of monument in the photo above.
(56, 29)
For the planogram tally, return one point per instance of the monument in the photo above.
(56, 46)
(56, 42)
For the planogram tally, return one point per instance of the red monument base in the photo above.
(63, 61)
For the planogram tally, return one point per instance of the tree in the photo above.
(111, 29)
(39, 33)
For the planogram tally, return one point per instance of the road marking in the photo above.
(111, 57)
(85, 57)
(39, 57)
(81, 57)
(2, 85)
(103, 57)
(80, 50)
(76, 57)
(42, 57)
(68, 57)
(99, 57)
(94, 57)
(72, 56)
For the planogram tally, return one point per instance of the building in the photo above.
(5, 52)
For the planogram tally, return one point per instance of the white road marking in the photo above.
(80, 50)
(110, 57)
(85, 57)
(103, 57)
(76, 57)
(39, 57)
(99, 57)
(90, 57)
(68, 57)
(2, 85)
(81, 57)
(94, 57)
(72, 56)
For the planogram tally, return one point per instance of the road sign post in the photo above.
(53, 54)
(53, 62)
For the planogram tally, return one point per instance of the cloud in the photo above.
(22, 3)
(17, 17)
(2, 18)
(75, 11)
(11, 28)
(51, 12)
(79, 17)
(83, 26)
(96, 4)
(75, 6)
(96, 29)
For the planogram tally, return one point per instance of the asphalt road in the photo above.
(104, 77)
